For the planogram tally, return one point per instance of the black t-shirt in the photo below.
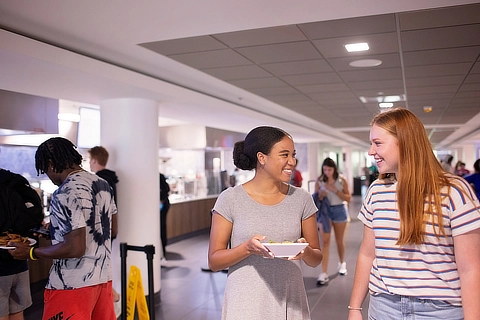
(164, 188)
(111, 178)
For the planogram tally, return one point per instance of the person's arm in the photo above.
(467, 257)
(321, 193)
(219, 256)
(312, 255)
(365, 258)
(73, 246)
(345, 193)
(114, 225)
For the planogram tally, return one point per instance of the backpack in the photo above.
(20, 205)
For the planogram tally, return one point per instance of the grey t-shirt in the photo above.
(259, 288)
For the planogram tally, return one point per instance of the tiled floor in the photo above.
(188, 293)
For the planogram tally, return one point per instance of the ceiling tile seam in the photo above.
(272, 115)
(335, 70)
(182, 53)
(453, 97)
(441, 48)
(402, 62)
(267, 71)
(307, 39)
(306, 95)
(441, 27)
(425, 63)
(255, 45)
(437, 76)
(274, 75)
(374, 70)
(338, 37)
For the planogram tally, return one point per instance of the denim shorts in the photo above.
(338, 213)
(395, 307)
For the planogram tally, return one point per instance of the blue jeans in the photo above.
(395, 307)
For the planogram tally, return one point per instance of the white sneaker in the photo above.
(118, 307)
(322, 278)
(342, 268)
(163, 261)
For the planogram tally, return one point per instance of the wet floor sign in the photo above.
(136, 296)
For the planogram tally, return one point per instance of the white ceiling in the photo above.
(236, 65)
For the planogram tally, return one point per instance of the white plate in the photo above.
(285, 250)
(32, 242)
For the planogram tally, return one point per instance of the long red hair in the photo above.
(420, 176)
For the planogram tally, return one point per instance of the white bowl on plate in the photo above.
(285, 250)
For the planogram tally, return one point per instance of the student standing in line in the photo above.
(266, 208)
(333, 186)
(164, 207)
(98, 164)
(419, 256)
(80, 280)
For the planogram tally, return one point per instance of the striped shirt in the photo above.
(427, 270)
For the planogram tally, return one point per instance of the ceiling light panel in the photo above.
(365, 63)
(356, 47)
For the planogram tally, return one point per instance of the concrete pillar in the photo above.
(129, 131)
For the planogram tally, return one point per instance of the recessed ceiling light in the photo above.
(385, 105)
(380, 99)
(427, 109)
(355, 47)
(365, 63)
(392, 99)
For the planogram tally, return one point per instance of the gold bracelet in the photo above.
(358, 309)
(32, 254)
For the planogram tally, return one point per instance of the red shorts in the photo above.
(89, 303)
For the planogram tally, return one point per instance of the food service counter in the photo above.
(188, 216)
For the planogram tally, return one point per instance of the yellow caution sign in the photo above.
(136, 296)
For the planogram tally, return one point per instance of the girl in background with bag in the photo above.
(334, 187)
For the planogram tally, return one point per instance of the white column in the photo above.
(313, 172)
(469, 156)
(348, 167)
(129, 131)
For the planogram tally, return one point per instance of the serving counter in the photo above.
(188, 216)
